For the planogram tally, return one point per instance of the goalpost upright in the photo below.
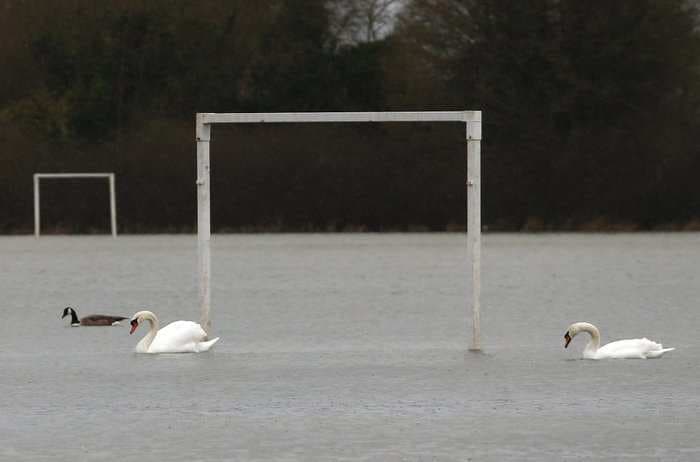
(472, 120)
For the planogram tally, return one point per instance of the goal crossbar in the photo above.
(472, 120)
(112, 196)
(337, 117)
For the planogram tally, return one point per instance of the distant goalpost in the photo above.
(471, 119)
(112, 196)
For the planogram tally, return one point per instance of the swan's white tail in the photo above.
(206, 346)
(658, 353)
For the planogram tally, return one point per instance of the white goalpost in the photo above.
(112, 196)
(471, 119)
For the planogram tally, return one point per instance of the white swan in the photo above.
(176, 337)
(641, 348)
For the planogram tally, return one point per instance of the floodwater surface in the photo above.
(351, 347)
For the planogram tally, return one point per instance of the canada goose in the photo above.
(92, 320)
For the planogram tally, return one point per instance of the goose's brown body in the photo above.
(100, 320)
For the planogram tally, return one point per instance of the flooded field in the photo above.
(351, 347)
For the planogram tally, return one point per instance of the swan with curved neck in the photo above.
(91, 320)
(176, 337)
(641, 348)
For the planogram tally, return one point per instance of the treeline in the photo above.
(591, 112)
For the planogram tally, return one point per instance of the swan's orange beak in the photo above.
(567, 337)
(134, 325)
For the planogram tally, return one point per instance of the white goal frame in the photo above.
(471, 119)
(112, 196)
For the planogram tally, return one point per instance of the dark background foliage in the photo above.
(591, 112)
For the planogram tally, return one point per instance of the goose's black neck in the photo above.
(73, 316)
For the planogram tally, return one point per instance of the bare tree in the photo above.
(355, 21)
